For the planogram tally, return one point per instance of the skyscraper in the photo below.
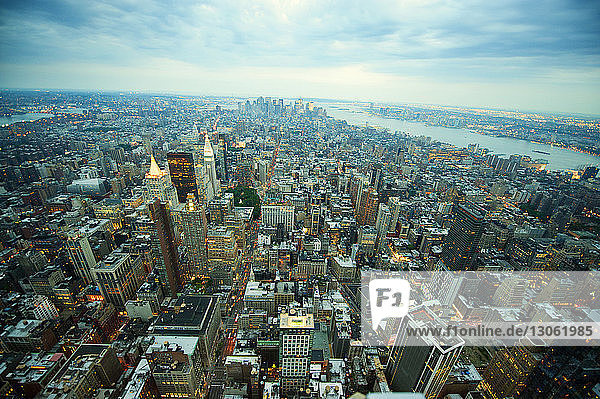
(87, 243)
(222, 254)
(158, 185)
(459, 250)
(424, 365)
(119, 276)
(183, 175)
(213, 185)
(295, 349)
(191, 219)
(222, 163)
(366, 209)
(165, 257)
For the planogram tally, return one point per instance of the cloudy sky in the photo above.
(532, 55)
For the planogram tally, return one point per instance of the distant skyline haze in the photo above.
(511, 54)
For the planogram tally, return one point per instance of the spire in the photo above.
(208, 150)
(154, 168)
(251, 277)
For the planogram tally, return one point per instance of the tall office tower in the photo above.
(263, 170)
(191, 220)
(315, 219)
(192, 315)
(296, 329)
(459, 250)
(213, 185)
(273, 215)
(119, 276)
(366, 211)
(183, 175)
(356, 186)
(423, 366)
(223, 257)
(164, 250)
(158, 185)
(375, 176)
(395, 205)
(87, 243)
(384, 220)
(222, 164)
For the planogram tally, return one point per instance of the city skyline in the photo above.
(468, 54)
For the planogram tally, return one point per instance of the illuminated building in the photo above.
(589, 172)
(29, 336)
(196, 316)
(310, 264)
(91, 367)
(183, 174)
(31, 374)
(118, 277)
(87, 244)
(158, 185)
(315, 219)
(191, 220)
(295, 349)
(564, 372)
(367, 238)
(219, 207)
(383, 223)
(367, 207)
(459, 250)
(222, 254)
(507, 372)
(175, 365)
(111, 209)
(141, 385)
(40, 308)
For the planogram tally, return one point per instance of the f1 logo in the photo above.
(389, 299)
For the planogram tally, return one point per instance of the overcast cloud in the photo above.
(540, 55)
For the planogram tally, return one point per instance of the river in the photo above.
(558, 158)
(29, 117)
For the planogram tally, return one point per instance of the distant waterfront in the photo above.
(29, 117)
(558, 158)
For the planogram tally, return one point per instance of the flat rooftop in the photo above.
(189, 315)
